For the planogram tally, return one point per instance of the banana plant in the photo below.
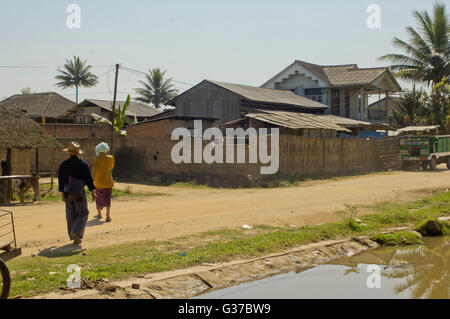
(119, 119)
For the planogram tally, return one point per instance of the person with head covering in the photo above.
(73, 175)
(103, 180)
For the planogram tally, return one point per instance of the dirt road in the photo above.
(185, 211)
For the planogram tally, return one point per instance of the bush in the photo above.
(431, 227)
(397, 238)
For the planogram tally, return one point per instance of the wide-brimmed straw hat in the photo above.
(74, 148)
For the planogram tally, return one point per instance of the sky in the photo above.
(245, 42)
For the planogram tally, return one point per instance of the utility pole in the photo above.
(114, 108)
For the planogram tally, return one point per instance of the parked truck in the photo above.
(426, 151)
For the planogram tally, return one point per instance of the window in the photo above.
(314, 94)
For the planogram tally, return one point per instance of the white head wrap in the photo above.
(101, 148)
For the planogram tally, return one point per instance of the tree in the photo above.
(426, 56)
(439, 105)
(76, 74)
(156, 89)
(26, 91)
(120, 118)
(409, 108)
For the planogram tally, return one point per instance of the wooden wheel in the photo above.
(433, 164)
(5, 280)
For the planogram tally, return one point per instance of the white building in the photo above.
(343, 88)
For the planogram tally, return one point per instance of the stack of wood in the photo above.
(389, 152)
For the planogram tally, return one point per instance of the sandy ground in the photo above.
(186, 211)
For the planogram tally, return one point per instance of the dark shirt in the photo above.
(78, 169)
(6, 169)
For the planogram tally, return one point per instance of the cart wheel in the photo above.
(5, 280)
(405, 166)
(433, 164)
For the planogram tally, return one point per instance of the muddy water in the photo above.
(404, 272)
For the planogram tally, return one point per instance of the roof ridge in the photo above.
(372, 68)
(250, 86)
(337, 65)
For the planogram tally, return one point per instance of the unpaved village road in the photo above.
(186, 211)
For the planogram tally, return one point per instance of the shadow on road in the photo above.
(62, 251)
(94, 222)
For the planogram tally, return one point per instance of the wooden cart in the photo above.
(8, 250)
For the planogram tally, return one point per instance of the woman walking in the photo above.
(103, 180)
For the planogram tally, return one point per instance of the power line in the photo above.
(44, 66)
(22, 67)
(102, 92)
(130, 70)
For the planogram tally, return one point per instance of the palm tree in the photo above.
(76, 73)
(427, 55)
(156, 89)
(409, 108)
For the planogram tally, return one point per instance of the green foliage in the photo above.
(397, 238)
(76, 73)
(409, 108)
(439, 105)
(53, 195)
(419, 108)
(47, 271)
(433, 227)
(351, 212)
(26, 91)
(426, 57)
(156, 89)
(120, 118)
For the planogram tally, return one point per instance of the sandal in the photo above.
(108, 219)
(98, 216)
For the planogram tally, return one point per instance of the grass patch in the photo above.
(46, 272)
(433, 227)
(397, 238)
(189, 184)
(53, 195)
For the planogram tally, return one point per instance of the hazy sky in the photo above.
(244, 41)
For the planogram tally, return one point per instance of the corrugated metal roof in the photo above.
(295, 120)
(134, 109)
(272, 96)
(418, 128)
(346, 122)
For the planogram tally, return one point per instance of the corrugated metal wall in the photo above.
(207, 100)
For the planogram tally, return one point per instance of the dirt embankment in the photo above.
(187, 211)
(188, 283)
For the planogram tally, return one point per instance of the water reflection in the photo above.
(424, 269)
(406, 272)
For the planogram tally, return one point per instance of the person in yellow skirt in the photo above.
(103, 180)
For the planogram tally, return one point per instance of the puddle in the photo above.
(405, 272)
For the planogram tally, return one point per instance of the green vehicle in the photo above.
(425, 151)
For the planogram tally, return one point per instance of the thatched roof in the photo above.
(47, 104)
(19, 131)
